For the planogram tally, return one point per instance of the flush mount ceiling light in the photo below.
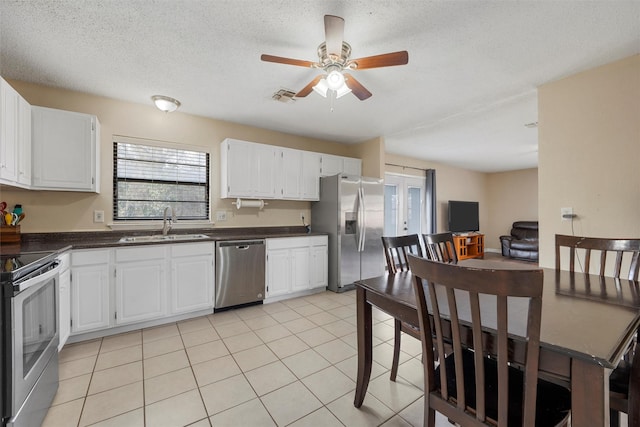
(165, 103)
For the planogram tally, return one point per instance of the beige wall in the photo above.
(49, 211)
(512, 196)
(372, 154)
(451, 184)
(589, 154)
(589, 151)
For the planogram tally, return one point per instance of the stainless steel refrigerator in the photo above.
(351, 211)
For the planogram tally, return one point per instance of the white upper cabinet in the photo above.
(298, 175)
(24, 143)
(15, 137)
(352, 166)
(247, 169)
(235, 176)
(310, 175)
(8, 133)
(290, 174)
(332, 165)
(264, 164)
(263, 171)
(66, 150)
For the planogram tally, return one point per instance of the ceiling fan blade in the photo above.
(384, 60)
(358, 90)
(333, 34)
(308, 88)
(288, 61)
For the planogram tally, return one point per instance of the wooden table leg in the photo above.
(365, 344)
(589, 394)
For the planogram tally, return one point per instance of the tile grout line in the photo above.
(268, 315)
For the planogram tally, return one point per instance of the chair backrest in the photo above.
(443, 283)
(624, 250)
(396, 250)
(440, 247)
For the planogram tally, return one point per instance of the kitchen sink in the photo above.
(162, 238)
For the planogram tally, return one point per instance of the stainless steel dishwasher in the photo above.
(240, 272)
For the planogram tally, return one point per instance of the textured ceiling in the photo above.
(463, 99)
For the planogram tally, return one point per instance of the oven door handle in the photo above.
(22, 286)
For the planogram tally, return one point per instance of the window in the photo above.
(148, 178)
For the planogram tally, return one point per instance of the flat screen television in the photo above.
(463, 217)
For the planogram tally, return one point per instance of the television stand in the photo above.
(469, 245)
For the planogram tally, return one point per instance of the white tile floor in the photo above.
(291, 363)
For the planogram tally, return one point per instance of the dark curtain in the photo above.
(430, 205)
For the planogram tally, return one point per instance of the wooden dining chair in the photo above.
(440, 247)
(624, 250)
(624, 390)
(396, 251)
(468, 387)
(624, 381)
(397, 248)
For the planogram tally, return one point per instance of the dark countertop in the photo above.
(38, 242)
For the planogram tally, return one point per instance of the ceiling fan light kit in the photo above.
(335, 80)
(334, 58)
(321, 88)
(165, 103)
(342, 91)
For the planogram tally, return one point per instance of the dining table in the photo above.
(587, 324)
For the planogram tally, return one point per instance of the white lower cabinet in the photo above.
(319, 262)
(300, 274)
(191, 277)
(141, 284)
(127, 285)
(90, 289)
(278, 267)
(64, 306)
(290, 264)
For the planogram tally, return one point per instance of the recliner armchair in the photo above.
(523, 241)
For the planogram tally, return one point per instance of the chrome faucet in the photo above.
(166, 225)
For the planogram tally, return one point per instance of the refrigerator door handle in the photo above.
(358, 222)
(363, 221)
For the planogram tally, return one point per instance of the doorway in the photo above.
(404, 211)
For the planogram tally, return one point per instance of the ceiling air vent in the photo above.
(284, 95)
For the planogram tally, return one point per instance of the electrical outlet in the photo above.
(302, 216)
(221, 215)
(566, 214)
(98, 216)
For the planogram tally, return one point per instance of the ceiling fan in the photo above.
(334, 58)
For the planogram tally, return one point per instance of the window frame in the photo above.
(117, 139)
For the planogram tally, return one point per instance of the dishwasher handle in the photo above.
(240, 244)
